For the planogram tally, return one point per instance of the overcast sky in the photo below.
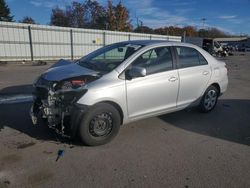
(229, 15)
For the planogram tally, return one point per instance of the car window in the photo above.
(116, 54)
(108, 58)
(155, 60)
(189, 57)
(203, 61)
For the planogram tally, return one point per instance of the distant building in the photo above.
(239, 42)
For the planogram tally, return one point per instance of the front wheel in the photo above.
(100, 124)
(209, 99)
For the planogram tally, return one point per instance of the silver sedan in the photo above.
(124, 82)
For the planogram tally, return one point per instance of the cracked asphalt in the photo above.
(183, 149)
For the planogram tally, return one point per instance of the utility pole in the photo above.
(142, 29)
(137, 20)
(203, 22)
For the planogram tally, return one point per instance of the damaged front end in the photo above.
(55, 102)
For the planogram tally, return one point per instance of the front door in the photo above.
(157, 91)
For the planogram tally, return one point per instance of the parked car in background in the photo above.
(125, 82)
(208, 44)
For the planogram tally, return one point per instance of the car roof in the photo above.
(155, 42)
(145, 42)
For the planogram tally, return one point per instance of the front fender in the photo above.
(115, 94)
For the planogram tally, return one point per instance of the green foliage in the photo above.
(60, 17)
(90, 14)
(191, 32)
(212, 33)
(122, 21)
(111, 22)
(144, 29)
(95, 15)
(5, 12)
(28, 20)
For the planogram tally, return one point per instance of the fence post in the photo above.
(104, 38)
(129, 36)
(104, 43)
(150, 37)
(31, 46)
(184, 37)
(71, 44)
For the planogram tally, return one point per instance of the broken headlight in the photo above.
(70, 84)
(71, 90)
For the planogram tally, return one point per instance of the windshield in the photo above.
(108, 58)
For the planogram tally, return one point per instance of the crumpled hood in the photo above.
(64, 69)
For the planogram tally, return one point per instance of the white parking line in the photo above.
(19, 98)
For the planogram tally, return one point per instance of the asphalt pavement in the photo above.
(183, 149)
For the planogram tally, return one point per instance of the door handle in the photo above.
(172, 79)
(205, 73)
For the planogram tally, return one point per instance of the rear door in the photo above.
(157, 91)
(194, 74)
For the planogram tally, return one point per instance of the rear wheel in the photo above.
(100, 124)
(209, 99)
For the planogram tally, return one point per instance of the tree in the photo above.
(111, 25)
(89, 14)
(76, 15)
(5, 12)
(161, 31)
(212, 33)
(190, 31)
(171, 30)
(122, 18)
(59, 17)
(28, 20)
(95, 15)
(144, 29)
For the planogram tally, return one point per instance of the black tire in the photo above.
(99, 125)
(209, 99)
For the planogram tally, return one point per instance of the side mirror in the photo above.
(135, 72)
(120, 49)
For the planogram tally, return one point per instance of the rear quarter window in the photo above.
(189, 57)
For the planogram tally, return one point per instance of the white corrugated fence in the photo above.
(20, 42)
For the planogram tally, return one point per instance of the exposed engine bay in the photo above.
(55, 99)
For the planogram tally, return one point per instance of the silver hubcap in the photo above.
(210, 99)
